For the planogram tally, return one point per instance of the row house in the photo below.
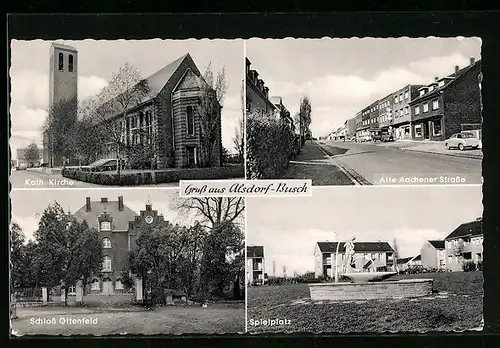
(363, 126)
(433, 255)
(369, 256)
(373, 116)
(257, 93)
(282, 112)
(401, 111)
(385, 116)
(255, 265)
(338, 134)
(464, 244)
(448, 105)
(168, 120)
(118, 227)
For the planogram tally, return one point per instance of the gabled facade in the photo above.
(433, 254)
(255, 265)
(368, 256)
(448, 105)
(464, 244)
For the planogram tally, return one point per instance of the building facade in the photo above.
(282, 112)
(433, 255)
(63, 88)
(118, 228)
(368, 256)
(401, 111)
(464, 244)
(350, 126)
(257, 94)
(255, 265)
(363, 127)
(373, 114)
(448, 105)
(385, 114)
(21, 158)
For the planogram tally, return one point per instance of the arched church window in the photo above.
(190, 120)
(61, 62)
(70, 63)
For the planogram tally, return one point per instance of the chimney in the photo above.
(457, 68)
(130, 225)
(87, 205)
(120, 203)
(472, 60)
(104, 200)
(149, 207)
(266, 92)
(436, 78)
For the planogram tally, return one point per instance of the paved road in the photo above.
(368, 163)
(36, 179)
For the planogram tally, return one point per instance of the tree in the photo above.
(304, 116)
(239, 137)
(284, 271)
(126, 90)
(32, 154)
(211, 101)
(67, 250)
(395, 255)
(218, 271)
(274, 268)
(16, 255)
(213, 210)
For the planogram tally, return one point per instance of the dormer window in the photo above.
(441, 83)
(105, 226)
(422, 92)
(431, 88)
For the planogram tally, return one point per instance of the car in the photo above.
(103, 165)
(386, 136)
(21, 166)
(462, 141)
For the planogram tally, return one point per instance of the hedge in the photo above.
(270, 145)
(154, 177)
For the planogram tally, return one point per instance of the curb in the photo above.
(444, 154)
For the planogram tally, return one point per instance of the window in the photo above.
(435, 104)
(106, 243)
(61, 62)
(401, 97)
(417, 110)
(191, 155)
(422, 92)
(118, 284)
(407, 111)
(437, 128)
(418, 130)
(190, 120)
(396, 99)
(106, 263)
(95, 285)
(426, 107)
(407, 95)
(72, 290)
(401, 112)
(70, 63)
(105, 226)
(441, 263)
(449, 244)
(441, 83)
(431, 88)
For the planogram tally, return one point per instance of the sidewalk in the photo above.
(428, 146)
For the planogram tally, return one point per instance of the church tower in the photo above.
(63, 88)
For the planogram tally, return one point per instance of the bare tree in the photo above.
(213, 210)
(126, 90)
(212, 99)
(274, 268)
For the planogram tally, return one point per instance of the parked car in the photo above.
(376, 136)
(103, 165)
(21, 166)
(386, 136)
(462, 141)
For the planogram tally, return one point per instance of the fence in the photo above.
(23, 295)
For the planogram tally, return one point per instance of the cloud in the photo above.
(30, 88)
(90, 85)
(28, 225)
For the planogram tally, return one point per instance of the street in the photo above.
(330, 162)
(33, 178)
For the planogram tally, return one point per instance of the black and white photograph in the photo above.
(100, 113)
(130, 261)
(364, 111)
(381, 259)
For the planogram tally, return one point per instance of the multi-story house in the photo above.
(255, 265)
(257, 94)
(368, 256)
(401, 111)
(350, 128)
(385, 114)
(464, 244)
(448, 105)
(282, 112)
(433, 254)
(409, 262)
(118, 228)
(363, 127)
(373, 115)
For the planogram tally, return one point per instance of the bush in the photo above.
(270, 145)
(156, 177)
(468, 266)
(480, 265)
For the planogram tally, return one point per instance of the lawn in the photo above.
(456, 305)
(216, 318)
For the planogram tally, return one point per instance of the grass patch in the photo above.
(455, 312)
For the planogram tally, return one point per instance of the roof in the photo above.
(467, 229)
(438, 244)
(64, 47)
(276, 100)
(455, 76)
(359, 247)
(120, 218)
(255, 251)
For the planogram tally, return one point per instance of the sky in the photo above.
(28, 205)
(342, 76)
(289, 227)
(98, 60)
